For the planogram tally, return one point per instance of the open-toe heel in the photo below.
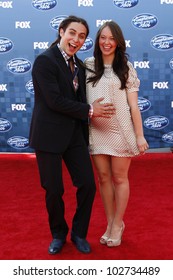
(104, 239)
(112, 242)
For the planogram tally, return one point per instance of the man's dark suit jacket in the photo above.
(57, 106)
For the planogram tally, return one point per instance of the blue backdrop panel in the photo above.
(29, 26)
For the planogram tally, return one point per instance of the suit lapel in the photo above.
(81, 79)
(63, 66)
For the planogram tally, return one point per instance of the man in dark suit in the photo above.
(59, 131)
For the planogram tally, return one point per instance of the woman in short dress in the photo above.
(115, 140)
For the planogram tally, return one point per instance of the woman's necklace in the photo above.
(108, 71)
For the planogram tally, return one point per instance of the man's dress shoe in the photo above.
(56, 246)
(81, 244)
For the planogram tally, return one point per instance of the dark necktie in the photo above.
(71, 64)
(74, 71)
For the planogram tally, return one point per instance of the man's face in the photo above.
(73, 37)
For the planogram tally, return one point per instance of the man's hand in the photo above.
(104, 110)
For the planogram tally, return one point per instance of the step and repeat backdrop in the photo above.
(28, 27)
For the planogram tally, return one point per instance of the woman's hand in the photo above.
(142, 144)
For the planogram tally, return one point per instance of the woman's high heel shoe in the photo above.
(104, 239)
(112, 242)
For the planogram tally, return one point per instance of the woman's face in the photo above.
(107, 43)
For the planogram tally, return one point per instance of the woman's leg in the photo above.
(120, 167)
(103, 167)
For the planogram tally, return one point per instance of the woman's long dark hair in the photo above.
(119, 64)
(65, 23)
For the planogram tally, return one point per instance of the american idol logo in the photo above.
(143, 104)
(5, 45)
(29, 87)
(144, 21)
(125, 3)
(171, 63)
(162, 42)
(156, 122)
(168, 137)
(44, 4)
(5, 125)
(87, 45)
(18, 142)
(19, 65)
(55, 22)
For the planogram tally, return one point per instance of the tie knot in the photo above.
(70, 58)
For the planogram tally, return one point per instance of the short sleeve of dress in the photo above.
(133, 82)
(89, 62)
